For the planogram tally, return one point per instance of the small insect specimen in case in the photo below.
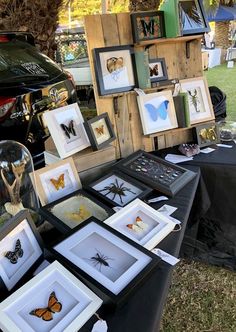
(100, 260)
(47, 313)
(14, 255)
(116, 188)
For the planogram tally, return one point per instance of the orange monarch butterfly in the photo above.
(47, 313)
(138, 225)
(153, 71)
(14, 255)
(114, 64)
(59, 182)
(100, 130)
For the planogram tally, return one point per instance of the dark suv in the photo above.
(30, 84)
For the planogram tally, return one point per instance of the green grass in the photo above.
(225, 79)
(201, 299)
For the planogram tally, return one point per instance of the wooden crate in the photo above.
(183, 60)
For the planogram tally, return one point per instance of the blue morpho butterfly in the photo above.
(160, 111)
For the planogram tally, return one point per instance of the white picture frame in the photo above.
(106, 259)
(199, 99)
(157, 112)
(78, 303)
(20, 249)
(141, 223)
(55, 181)
(66, 127)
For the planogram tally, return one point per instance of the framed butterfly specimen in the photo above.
(207, 134)
(157, 70)
(108, 260)
(100, 131)
(157, 112)
(118, 189)
(55, 181)
(65, 125)
(141, 223)
(54, 300)
(199, 99)
(20, 251)
(68, 212)
(147, 25)
(159, 174)
(114, 69)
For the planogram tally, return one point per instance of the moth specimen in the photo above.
(138, 225)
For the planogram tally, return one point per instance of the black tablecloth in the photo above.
(210, 237)
(143, 310)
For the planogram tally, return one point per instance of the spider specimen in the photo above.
(100, 260)
(116, 189)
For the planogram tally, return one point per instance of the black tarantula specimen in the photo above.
(116, 189)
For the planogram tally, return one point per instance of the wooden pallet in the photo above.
(183, 59)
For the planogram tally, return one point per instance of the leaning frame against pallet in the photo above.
(183, 60)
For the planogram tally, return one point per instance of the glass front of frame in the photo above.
(114, 69)
(53, 301)
(103, 256)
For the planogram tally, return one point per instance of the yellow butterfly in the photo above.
(80, 215)
(100, 130)
(58, 183)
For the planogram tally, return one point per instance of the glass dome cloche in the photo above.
(16, 189)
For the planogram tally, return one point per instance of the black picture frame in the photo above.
(207, 134)
(158, 70)
(196, 22)
(148, 25)
(159, 174)
(111, 238)
(61, 204)
(121, 178)
(21, 262)
(103, 134)
(114, 69)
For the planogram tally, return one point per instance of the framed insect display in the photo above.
(69, 211)
(156, 172)
(207, 134)
(55, 181)
(118, 189)
(193, 19)
(100, 131)
(141, 223)
(114, 69)
(20, 250)
(108, 260)
(199, 99)
(54, 300)
(157, 70)
(66, 127)
(157, 112)
(147, 25)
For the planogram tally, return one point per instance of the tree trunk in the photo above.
(140, 5)
(222, 34)
(40, 17)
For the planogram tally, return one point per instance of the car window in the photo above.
(21, 60)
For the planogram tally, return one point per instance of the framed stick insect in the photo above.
(20, 251)
(118, 189)
(54, 300)
(109, 261)
(199, 99)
